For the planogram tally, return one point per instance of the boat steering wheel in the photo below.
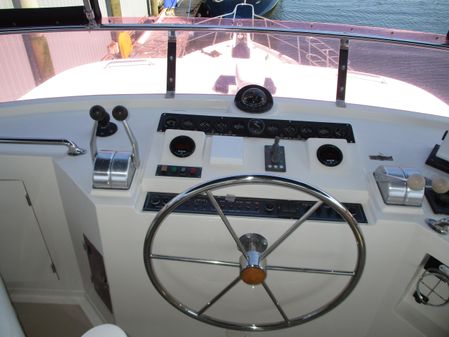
(254, 250)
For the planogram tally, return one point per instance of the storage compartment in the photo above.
(21, 240)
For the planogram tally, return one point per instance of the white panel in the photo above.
(227, 151)
(23, 254)
(6, 4)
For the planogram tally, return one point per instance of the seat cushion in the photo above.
(105, 330)
(9, 324)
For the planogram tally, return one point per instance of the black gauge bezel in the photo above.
(187, 142)
(238, 100)
(329, 155)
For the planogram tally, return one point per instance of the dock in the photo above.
(154, 44)
(188, 8)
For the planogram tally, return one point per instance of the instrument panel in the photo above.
(256, 127)
(254, 207)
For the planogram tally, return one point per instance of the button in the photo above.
(173, 169)
(183, 170)
(193, 171)
(163, 168)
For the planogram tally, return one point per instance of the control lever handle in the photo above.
(415, 181)
(440, 226)
(98, 114)
(276, 151)
(275, 157)
(103, 127)
(440, 184)
(120, 113)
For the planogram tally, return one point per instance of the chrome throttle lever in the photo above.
(98, 114)
(120, 113)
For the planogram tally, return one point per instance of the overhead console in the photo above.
(256, 127)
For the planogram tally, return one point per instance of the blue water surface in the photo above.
(417, 15)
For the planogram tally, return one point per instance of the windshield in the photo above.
(289, 58)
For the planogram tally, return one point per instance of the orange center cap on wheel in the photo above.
(253, 275)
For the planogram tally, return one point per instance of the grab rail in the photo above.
(73, 149)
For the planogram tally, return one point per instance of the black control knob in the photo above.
(120, 113)
(105, 127)
(98, 113)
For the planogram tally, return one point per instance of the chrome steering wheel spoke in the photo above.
(226, 222)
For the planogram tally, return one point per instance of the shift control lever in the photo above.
(112, 169)
(275, 157)
(120, 113)
(98, 114)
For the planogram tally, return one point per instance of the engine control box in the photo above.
(394, 186)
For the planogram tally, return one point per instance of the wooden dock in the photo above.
(154, 44)
(188, 8)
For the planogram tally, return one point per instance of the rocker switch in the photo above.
(275, 157)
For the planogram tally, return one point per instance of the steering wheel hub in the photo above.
(252, 266)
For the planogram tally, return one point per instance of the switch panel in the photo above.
(178, 171)
(253, 207)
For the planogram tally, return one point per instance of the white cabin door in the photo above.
(24, 257)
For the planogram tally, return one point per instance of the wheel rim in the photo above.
(207, 188)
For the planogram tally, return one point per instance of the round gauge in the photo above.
(254, 99)
(182, 146)
(329, 155)
(256, 127)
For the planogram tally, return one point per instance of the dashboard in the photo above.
(190, 140)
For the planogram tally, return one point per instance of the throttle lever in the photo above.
(98, 114)
(120, 113)
(112, 169)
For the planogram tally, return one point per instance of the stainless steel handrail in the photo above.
(73, 149)
(438, 44)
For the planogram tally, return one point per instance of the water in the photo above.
(418, 15)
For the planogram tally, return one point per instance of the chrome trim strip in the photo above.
(73, 149)
(441, 44)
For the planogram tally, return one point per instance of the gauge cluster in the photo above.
(256, 127)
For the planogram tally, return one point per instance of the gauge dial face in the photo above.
(254, 99)
(256, 127)
(182, 146)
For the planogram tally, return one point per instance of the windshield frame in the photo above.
(344, 33)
